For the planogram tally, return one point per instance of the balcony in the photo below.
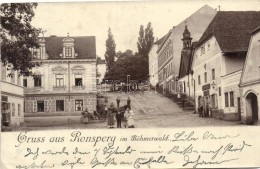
(59, 88)
(78, 88)
(33, 90)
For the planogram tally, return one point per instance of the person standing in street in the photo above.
(131, 119)
(118, 101)
(129, 102)
(183, 102)
(110, 120)
(118, 119)
(126, 117)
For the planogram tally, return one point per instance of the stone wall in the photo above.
(219, 114)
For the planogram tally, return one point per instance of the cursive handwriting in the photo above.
(34, 154)
(200, 161)
(34, 165)
(148, 161)
(72, 164)
(231, 148)
(77, 151)
(110, 150)
(186, 150)
(51, 152)
(95, 162)
(209, 135)
(183, 136)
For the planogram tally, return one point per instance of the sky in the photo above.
(124, 18)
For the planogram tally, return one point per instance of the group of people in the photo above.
(122, 115)
(204, 111)
(128, 101)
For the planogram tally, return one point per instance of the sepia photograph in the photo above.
(125, 66)
(187, 66)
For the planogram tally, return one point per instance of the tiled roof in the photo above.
(232, 29)
(85, 46)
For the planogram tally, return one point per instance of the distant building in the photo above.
(250, 82)
(169, 51)
(218, 62)
(12, 96)
(101, 70)
(65, 81)
(153, 62)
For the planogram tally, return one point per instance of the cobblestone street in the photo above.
(151, 110)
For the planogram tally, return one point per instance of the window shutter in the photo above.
(34, 106)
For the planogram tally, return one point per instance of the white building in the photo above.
(101, 70)
(169, 52)
(65, 81)
(12, 96)
(250, 82)
(218, 62)
(153, 62)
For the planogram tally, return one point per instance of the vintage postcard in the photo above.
(130, 84)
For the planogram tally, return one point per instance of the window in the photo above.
(59, 80)
(12, 76)
(18, 79)
(184, 87)
(226, 100)
(79, 105)
(13, 109)
(78, 80)
(205, 77)
(59, 105)
(231, 94)
(40, 106)
(19, 110)
(37, 81)
(68, 52)
(25, 82)
(3, 71)
(213, 74)
(199, 82)
(202, 50)
(213, 101)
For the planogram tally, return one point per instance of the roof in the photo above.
(158, 42)
(100, 61)
(85, 46)
(232, 29)
(256, 30)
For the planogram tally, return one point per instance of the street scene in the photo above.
(166, 68)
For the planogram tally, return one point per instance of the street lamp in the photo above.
(193, 79)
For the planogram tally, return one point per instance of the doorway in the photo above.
(252, 108)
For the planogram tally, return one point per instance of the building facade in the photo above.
(65, 81)
(218, 62)
(12, 96)
(101, 69)
(153, 63)
(169, 52)
(250, 82)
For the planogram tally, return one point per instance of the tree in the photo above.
(145, 40)
(128, 64)
(110, 50)
(18, 36)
